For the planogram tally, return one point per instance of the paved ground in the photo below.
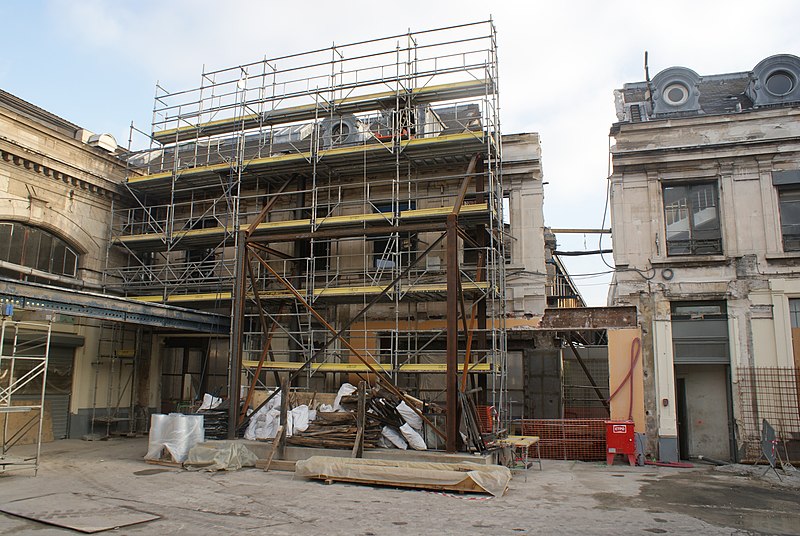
(565, 498)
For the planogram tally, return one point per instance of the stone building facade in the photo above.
(705, 203)
(58, 184)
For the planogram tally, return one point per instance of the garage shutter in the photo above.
(700, 339)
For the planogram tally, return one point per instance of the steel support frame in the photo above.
(81, 303)
(255, 246)
(357, 316)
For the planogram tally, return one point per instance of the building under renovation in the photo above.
(332, 216)
(706, 218)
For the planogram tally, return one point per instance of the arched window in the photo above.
(36, 248)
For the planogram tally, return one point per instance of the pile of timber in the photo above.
(336, 430)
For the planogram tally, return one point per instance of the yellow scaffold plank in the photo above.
(306, 156)
(186, 298)
(329, 222)
(178, 235)
(294, 112)
(333, 292)
(421, 368)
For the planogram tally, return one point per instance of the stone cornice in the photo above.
(57, 175)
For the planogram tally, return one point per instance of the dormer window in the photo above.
(775, 81)
(780, 83)
(676, 94)
(676, 90)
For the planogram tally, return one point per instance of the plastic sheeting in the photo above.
(345, 390)
(174, 434)
(393, 437)
(415, 440)
(220, 457)
(492, 479)
(210, 402)
(265, 423)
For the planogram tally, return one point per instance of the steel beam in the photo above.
(583, 318)
(370, 230)
(358, 315)
(388, 385)
(451, 376)
(237, 328)
(267, 207)
(86, 304)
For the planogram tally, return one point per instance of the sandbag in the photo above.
(408, 414)
(394, 437)
(415, 440)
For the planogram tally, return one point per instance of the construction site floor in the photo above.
(565, 498)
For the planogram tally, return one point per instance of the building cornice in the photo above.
(37, 165)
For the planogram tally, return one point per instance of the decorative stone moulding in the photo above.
(57, 175)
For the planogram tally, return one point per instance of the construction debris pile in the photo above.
(387, 421)
(337, 430)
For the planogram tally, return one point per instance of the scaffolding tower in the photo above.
(119, 349)
(344, 205)
(24, 352)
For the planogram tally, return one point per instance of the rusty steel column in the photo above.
(237, 325)
(451, 382)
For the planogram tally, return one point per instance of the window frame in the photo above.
(31, 257)
(692, 246)
(794, 238)
(794, 313)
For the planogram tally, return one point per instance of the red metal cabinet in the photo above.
(620, 440)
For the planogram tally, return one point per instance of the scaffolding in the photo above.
(119, 349)
(24, 351)
(344, 205)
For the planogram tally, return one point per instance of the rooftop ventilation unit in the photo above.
(342, 130)
(103, 141)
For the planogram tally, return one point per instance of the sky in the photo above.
(96, 63)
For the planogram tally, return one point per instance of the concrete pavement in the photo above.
(564, 498)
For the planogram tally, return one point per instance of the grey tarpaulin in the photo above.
(220, 457)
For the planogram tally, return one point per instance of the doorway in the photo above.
(703, 411)
(701, 358)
